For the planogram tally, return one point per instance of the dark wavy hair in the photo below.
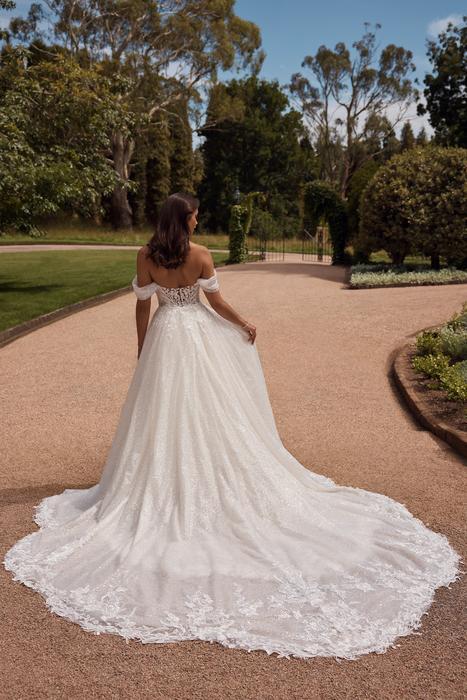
(170, 242)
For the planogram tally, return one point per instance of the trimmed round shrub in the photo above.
(417, 203)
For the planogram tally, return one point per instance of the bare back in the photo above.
(197, 264)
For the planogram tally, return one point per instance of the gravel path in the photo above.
(326, 353)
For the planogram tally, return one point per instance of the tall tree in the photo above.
(407, 137)
(181, 156)
(345, 90)
(158, 169)
(256, 146)
(5, 5)
(55, 120)
(162, 49)
(422, 138)
(446, 89)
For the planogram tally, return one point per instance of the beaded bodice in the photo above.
(176, 296)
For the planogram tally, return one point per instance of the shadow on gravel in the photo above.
(35, 493)
(332, 273)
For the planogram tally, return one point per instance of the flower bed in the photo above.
(441, 356)
(364, 276)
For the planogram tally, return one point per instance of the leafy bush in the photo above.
(454, 383)
(428, 343)
(237, 239)
(431, 365)
(454, 343)
(416, 203)
(264, 225)
(459, 320)
(442, 355)
(462, 369)
(56, 117)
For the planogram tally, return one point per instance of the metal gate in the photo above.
(264, 248)
(317, 248)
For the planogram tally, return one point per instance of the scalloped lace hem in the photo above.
(204, 622)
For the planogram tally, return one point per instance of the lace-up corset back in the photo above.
(176, 296)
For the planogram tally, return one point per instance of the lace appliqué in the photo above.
(317, 618)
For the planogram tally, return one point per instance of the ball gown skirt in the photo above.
(203, 526)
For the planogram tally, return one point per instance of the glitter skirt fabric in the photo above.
(203, 526)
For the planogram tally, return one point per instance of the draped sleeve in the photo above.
(209, 284)
(143, 292)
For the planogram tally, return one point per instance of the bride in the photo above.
(203, 526)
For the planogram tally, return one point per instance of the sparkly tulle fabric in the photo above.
(203, 526)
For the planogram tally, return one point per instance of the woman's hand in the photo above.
(251, 330)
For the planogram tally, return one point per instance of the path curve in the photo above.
(326, 353)
(271, 256)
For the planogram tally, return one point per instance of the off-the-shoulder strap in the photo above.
(143, 292)
(209, 284)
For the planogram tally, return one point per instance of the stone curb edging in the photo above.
(18, 331)
(404, 380)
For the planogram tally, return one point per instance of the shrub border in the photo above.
(404, 377)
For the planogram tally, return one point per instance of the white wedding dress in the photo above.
(203, 526)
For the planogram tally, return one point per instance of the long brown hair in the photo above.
(170, 243)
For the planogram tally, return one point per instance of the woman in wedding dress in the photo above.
(203, 526)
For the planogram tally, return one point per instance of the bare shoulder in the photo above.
(143, 251)
(198, 249)
(201, 254)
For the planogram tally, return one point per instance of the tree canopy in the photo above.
(362, 85)
(166, 51)
(446, 88)
(417, 203)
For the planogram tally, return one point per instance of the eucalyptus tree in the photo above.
(167, 51)
(446, 88)
(347, 93)
(5, 5)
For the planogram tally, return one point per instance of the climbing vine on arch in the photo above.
(322, 201)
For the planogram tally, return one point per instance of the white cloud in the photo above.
(439, 25)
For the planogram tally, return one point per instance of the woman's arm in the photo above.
(220, 305)
(143, 306)
(143, 309)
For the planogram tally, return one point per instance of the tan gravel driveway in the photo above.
(326, 353)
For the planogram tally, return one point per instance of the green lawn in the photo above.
(87, 233)
(32, 284)
(69, 232)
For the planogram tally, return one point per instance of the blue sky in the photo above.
(293, 29)
(296, 28)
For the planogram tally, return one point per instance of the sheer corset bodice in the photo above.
(176, 296)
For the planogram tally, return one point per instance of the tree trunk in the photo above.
(435, 265)
(122, 150)
(397, 257)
